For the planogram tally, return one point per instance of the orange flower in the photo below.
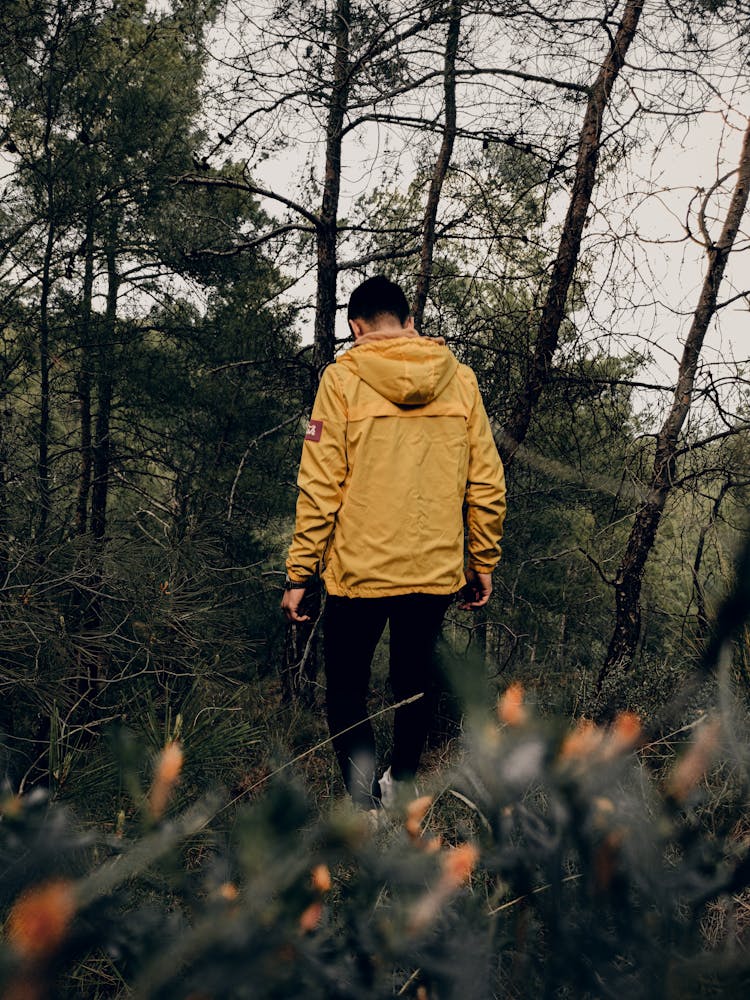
(585, 740)
(166, 775)
(40, 917)
(311, 918)
(11, 806)
(431, 845)
(458, 864)
(590, 740)
(694, 763)
(510, 708)
(321, 878)
(415, 813)
(229, 891)
(624, 734)
(603, 807)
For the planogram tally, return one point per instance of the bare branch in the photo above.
(235, 185)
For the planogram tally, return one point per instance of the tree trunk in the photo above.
(327, 228)
(643, 533)
(81, 612)
(698, 591)
(8, 714)
(101, 448)
(299, 666)
(44, 399)
(84, 379)
(46, 281)
(4, 516)
(513, 433)
(445, 716)
(101, 455)
(441, 166)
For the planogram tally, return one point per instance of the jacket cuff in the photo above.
(480, 568)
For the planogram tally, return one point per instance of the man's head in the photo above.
(377, 304)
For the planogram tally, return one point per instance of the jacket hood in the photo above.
(409, 371)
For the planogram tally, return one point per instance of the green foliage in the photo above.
(172, 394)
(136, 277)
(587, 874)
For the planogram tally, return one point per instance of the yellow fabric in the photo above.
(404, 443)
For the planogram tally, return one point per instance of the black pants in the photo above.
(352, 628)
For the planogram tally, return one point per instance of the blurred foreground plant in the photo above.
(567, 870)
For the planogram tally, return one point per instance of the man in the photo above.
(397, 445)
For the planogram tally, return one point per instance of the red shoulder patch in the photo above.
(314, 430)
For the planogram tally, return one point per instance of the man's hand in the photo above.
(477, 591)
(290, 603)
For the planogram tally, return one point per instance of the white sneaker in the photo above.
(392, 792)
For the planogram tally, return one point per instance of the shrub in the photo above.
(565, 869)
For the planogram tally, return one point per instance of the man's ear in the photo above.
(409, 324)
(356, 328)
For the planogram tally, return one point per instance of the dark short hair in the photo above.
(377, 296)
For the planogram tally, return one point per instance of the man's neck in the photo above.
(385, 331)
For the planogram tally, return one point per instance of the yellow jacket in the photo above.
(398, 442)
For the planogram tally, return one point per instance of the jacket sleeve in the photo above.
(485, 490)
(322, 472)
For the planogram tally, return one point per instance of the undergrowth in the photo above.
(548, 859)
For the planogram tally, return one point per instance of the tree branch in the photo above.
(235, 185)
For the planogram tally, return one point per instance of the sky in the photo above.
(660, 271)
(666, 268)
(651, 280)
